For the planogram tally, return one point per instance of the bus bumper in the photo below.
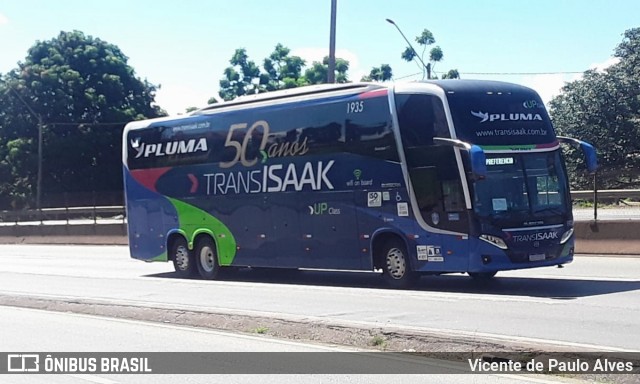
(503, 260)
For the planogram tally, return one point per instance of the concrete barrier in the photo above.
(614, 237)
(107, 234)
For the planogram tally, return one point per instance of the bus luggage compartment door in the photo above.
(330, 231)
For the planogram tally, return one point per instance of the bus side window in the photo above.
(426, 187)
(371, 133)
(415, 117)
(440, 124)
(453, 196)
(421, 118)
(432, 168)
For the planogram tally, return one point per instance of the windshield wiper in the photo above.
(555, 210)
(511, 213)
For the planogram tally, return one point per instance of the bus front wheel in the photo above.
(183, 260)
(207, 258)
(395, 265)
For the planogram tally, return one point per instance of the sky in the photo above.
(184, 46)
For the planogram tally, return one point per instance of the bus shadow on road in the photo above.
(553, 288)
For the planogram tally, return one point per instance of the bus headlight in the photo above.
(498, 242)
(566, 236)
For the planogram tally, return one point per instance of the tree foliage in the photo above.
(81, 92)
(381, 73)
(604, 109)
(242, 78)
(283, 71)
(317, 74)
(280, 71)
(436, 55)
(452, 74)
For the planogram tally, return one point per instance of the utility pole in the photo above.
(426, 67)
(331, 73)
(39, 181)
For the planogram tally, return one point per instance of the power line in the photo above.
(522, 73)
(504, 73)
(87, 123)
(404, 77)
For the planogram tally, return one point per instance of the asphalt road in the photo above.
(592, 303)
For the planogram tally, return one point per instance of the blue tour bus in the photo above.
(417, 178)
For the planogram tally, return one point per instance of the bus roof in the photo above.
(477, 86)
(307, 92)
(320, 90)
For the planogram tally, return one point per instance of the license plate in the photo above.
(537, 257)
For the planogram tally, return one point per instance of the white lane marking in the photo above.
(93, 379)
(538, 378)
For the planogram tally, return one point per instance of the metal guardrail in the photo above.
(607, 194)
(64, 214)
(118, 212)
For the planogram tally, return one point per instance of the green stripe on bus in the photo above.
(508, 147)
(192, 219)
(161, 257)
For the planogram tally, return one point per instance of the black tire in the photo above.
(183, 261)
(482, 276)
(396, 269)
(206, 258)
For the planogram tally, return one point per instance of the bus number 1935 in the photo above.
(355, 107)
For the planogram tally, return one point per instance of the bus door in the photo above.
(436, 181)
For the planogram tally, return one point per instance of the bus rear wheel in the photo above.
(183, 261)
(207, 258)
(395, 265)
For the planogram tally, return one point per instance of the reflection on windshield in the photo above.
(529, 184)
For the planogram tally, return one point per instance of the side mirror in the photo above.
(478, 162)
(476, 155)
(590, 156)
(589, 152)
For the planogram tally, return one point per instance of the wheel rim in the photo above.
(182, 258)
(207, 259)
(396, 264)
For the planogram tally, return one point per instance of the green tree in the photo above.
(242, 78)
(83, 91)
(381, 73)
(317, 74)
(283, 71)
(452, 74)
(18, 159)
(436, 55)
(604, 109)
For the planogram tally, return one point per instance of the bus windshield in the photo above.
(522, 185)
